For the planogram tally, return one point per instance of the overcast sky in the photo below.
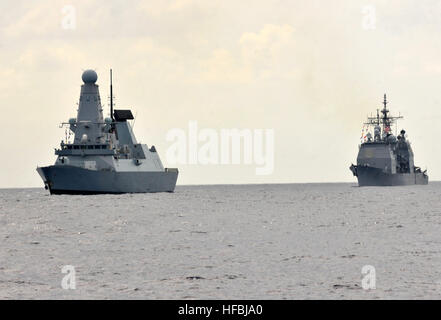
(310, 70)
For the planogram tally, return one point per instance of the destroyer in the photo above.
(386, 159)
(104, 156)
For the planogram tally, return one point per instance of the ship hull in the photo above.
(76, 180)
(368, 176)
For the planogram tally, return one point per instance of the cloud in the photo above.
(223, 67)
(270, 51)
(157, 8)
(267, 44)
(264, 54)
(32, 21)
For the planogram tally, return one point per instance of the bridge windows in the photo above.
(85, 146)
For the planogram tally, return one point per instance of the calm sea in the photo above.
(291, 241)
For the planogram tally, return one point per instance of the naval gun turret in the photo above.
(386, 159)
(104, 156)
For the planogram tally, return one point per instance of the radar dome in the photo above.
(89, 76)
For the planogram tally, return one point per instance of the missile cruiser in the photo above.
(386, 159)
(104, 156)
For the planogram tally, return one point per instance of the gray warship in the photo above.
(386, 159)
(104, 156)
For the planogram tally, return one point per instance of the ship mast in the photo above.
(385, 120)
(111, 96)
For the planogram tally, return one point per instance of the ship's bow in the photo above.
(44, 174)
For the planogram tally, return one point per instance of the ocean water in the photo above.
(291, 241)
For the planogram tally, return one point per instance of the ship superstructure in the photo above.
(385, 159)
(104, 156)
